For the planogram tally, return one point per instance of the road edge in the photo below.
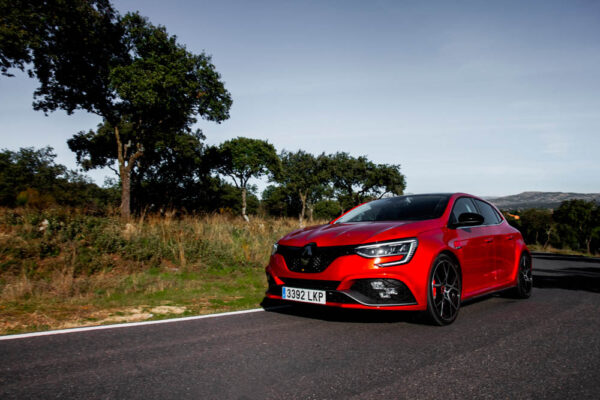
(564, 257)
(132, 324)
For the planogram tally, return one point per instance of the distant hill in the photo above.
(540, 200)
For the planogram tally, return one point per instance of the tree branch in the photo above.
(383, 194)
(139, 152)
(113, 169)
(232, 176)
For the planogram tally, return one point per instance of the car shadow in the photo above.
(335, 314)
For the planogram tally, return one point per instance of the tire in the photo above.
(524, 278)
(443, 291)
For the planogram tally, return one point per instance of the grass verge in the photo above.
(550, 249)
(60, 268)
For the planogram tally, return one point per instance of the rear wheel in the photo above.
(443, 291)
(524, 278)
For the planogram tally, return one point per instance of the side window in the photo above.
(462, 205)
(489, 214)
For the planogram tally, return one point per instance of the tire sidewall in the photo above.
(431, 309)
(521, 289)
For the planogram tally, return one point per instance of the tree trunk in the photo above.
(302, 211)
(548, 235)
(588, 242)
(310, 208)
(125, 168)
(244, 205)
(125, 196)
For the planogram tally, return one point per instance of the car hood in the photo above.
(356, 233)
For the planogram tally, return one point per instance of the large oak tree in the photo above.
(144, 84)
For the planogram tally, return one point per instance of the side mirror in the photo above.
(469, 219)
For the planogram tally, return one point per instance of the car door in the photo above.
(475, 250)
(504, 242)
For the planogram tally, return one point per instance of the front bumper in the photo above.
(347, 282)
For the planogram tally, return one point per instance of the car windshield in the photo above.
(401, 208)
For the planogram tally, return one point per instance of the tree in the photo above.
(595, 244)
(173, 173)
(133, 74)
(31, 177)
(357, 180)
(582, 217)
(176, 175)
(537, 226)
(27, 168)
(279, 201)
(304, 175)
(327, 209)
(242, 159)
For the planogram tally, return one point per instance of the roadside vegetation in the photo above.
(62, 268)
(573, 228)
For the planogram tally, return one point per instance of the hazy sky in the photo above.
(490, 98)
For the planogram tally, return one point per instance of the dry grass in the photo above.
(565, 251)
(62, 268)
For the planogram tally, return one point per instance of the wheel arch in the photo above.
(521, 250)
(455, 258)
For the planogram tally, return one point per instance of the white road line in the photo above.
(126, 325)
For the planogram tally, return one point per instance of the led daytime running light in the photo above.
(404, 248)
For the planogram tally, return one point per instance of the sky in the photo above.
(489, 98)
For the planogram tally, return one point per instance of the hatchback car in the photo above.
(424, 252)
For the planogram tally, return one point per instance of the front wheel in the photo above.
(443, 291)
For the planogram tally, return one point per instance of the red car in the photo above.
(423, 252)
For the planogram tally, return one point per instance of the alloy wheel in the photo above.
(445, 290)
(525, 283)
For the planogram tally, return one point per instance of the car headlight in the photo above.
(399, 248)
(274, 249)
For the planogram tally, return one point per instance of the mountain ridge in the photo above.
(534, 199)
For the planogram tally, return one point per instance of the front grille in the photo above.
(298, 259)
(311, 283)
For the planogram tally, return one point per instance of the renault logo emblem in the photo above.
(307, 254)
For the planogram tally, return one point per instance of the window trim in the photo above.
(498, 214)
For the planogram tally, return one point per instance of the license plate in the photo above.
(303, 295)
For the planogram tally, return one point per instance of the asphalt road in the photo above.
(544, 347)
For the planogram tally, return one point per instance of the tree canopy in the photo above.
(305, 176)
(580, 219)
(138, 78)
(242, 159)
(356, 179)
(31, 177)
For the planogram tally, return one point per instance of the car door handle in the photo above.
(489, 240)
(511, 237)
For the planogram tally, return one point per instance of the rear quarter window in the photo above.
(490, 215)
